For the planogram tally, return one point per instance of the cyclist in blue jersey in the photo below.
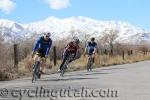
(42, 48)
(91, 48)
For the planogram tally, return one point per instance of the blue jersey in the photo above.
(43, 44)
(90, 47)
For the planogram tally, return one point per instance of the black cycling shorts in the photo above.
(41, 52)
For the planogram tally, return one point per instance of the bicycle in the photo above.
(64, 67)
(36, 69)
(90, 62)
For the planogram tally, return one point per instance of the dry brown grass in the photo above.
(25, 66)
(7, 71)
(106, 60)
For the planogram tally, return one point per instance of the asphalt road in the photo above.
(121, 82)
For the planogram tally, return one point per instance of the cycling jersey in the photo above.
(72, 47)
(90, 47)
(42, 46)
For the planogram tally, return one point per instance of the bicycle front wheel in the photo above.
(36, 71)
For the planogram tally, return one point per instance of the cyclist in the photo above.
(71, 48)
(42, 48)
(91, 49)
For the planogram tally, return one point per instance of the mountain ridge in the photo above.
(67, 27)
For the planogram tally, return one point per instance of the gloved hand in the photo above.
(46, 56)
(33, 53)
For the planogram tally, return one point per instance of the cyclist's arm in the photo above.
(85, 50)
(48, 48)
(37, 45)
(66, 47)
(77, 51)
(95, 49)
(64, 50)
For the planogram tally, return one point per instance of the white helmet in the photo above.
(76, 40)
(47, 34)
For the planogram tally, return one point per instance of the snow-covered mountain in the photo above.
(74, 26)
(12, 31)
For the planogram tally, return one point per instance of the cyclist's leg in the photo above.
(89, 62)
(35, 58)
(65, 56)
(43, 64)
(70, 60)
(37, 55)
(88, 56)
(93, 58)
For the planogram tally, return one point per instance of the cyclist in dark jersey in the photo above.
(71, 48)
(91, 48)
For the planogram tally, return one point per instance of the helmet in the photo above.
(76, 40)
(92, 39)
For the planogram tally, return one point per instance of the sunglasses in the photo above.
(47, 36)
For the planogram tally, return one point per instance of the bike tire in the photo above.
(89, 64)
(62, 71)
(35, 72)
(33, 78)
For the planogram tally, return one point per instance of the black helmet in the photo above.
(92, 39)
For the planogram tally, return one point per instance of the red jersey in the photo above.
(72, 47)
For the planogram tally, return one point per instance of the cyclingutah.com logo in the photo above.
(69, 92)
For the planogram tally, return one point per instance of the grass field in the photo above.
(25, 66)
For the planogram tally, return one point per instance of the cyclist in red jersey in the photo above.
(71, 48)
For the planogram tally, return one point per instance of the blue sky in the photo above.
(135, 12)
